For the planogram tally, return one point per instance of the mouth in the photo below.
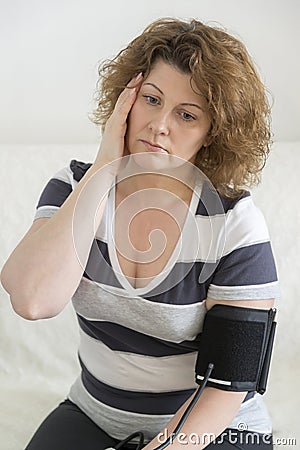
(154, 147)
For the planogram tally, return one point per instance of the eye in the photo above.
(187, 117)
(151, 100)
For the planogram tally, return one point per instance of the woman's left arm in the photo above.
(214, 410)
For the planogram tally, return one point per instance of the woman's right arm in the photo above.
(44, 270)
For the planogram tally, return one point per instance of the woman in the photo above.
(127, 237)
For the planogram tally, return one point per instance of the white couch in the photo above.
(38, 359)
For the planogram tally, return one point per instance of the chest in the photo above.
(146, 240)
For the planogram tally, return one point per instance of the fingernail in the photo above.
(139, 76)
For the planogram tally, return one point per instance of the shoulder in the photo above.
(78, 168)
(212, 203)
(232, 216)
(60, 186)
(246, 218)
(73, 172)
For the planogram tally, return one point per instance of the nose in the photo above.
(160, 123)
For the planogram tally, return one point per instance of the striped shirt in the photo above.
(138, 345)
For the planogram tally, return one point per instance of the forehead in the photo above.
(170, 80)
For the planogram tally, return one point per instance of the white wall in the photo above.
(50, 50)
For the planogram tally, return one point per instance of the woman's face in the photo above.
(167, 113)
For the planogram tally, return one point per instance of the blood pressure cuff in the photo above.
(238, 341)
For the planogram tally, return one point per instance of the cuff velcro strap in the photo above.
(238, 341)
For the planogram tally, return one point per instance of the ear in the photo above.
(208, 141)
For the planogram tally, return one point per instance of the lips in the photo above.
(154, 147)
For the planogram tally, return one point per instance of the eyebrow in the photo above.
(185, 104)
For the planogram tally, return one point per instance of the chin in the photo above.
(157, 162)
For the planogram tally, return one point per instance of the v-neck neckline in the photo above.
(160, 277)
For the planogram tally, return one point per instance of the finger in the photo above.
(125, 102)
(135, 80)
(130, 90)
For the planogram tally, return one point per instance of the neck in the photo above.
(178, 181)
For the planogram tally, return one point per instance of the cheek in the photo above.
(202, 135)
(193, 142)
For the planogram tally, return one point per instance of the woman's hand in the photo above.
(113, 145)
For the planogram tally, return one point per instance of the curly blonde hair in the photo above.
(223, 72)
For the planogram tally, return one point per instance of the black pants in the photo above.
(69, 428)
